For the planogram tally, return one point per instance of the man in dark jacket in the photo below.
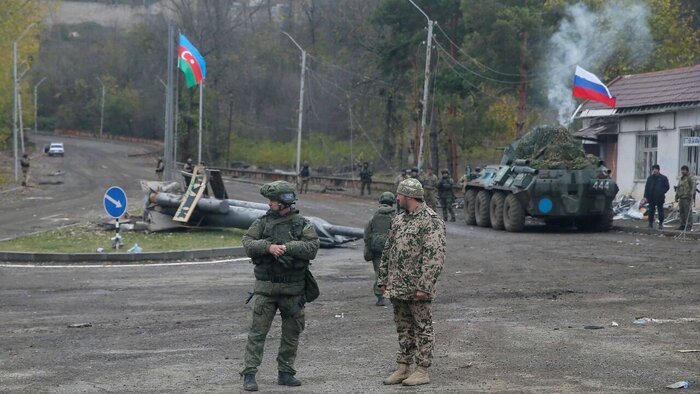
(655, 192)
(366, 179)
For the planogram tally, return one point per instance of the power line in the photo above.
(474, 72)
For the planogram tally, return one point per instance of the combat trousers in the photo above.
(447, 207)
(375, 263)
(414, 324)
(293, 324)
(656, 206)
(304, 186)
(368, 185)
(430, 199)
(684, 205)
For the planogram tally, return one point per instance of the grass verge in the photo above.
(87, 238)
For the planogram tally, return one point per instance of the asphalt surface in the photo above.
(510, 316)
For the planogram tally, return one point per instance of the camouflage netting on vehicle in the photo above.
(550, 147)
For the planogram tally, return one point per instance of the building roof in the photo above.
(659, 89)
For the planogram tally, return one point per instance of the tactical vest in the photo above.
(381, 224)
(283, 269)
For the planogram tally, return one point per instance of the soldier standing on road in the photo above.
(365, 179)
(376, 234)
(24, 163)
(429, 182)
(684, 196)
(655, 192)
(304, 176)
(447, 195)
(159, 169)
(189, 167)
(281, 245)
(411, 263)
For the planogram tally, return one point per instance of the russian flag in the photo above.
(588, 86)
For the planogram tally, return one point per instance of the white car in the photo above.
(56, 149)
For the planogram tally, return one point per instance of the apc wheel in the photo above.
(496, 210)
(469, 207)
(481, 208)
(602, 223)
(513, 214)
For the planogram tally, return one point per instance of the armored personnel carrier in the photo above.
(547, 175)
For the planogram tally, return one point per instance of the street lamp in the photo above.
(428, 50)
(102, 110)
(15, 82)
(36, 87)
(301, 99)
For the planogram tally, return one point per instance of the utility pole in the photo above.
(15, 82)
(102, 110)
(36, 111)
(169, 143)
(301, 100)
(426, 84)
(352, 156)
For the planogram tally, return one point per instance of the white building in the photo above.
(655, 118)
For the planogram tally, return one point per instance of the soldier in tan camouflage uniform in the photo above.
(411, 263)
(684, 195)
(429, 181)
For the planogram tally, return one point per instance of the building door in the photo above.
(689, 154)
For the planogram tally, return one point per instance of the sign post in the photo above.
(115, 204)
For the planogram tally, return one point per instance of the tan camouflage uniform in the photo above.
(412, 260)
(684, 196)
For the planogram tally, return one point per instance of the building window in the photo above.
(646, 155)
(689, 154)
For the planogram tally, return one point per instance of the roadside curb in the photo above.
(648, 231)
(120, 257)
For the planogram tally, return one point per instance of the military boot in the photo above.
(402, 372)
(287, 379)
(381, 301)
(419, 376)
(249, 383)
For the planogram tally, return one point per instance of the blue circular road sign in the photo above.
(115, 202)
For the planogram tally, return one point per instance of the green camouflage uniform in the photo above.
(430, 183)
(684, 195)
(376, 234)
(279, 283)
(447, 197)
(412, 260)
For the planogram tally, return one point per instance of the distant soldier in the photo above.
(160, 166)
(376, 234)
(414, 173)
(24, 162)
(655, 192)
(462, 182)
(429, 182)
(365, 179)
(399, 178)
(411, 264)
(189, 167)
(304, 176)
(684, 195)
(447, 196)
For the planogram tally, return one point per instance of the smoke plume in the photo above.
(590, 38)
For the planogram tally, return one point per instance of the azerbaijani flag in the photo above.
(191, 62)
(588, 86)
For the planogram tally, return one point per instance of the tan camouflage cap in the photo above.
(411, 187)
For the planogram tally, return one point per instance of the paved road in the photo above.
(509, 317)
(87, 170)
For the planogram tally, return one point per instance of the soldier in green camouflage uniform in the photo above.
(447, 195)
(429, 181)
(684, 195)
(376, 234)
(411, 263)
(280, 245)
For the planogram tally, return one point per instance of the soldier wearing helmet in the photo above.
(376, 233)
(446, 194)
(429, 181)
(189, 167)
(281, 245)
(160, 166)
(410, 266)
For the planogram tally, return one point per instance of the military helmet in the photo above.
(445, 170)
(280, 191)
(189, 160)
(387, 198)
(411, 187)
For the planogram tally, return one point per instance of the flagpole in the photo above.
(199, 148)
(571, 119)
(168, 156)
